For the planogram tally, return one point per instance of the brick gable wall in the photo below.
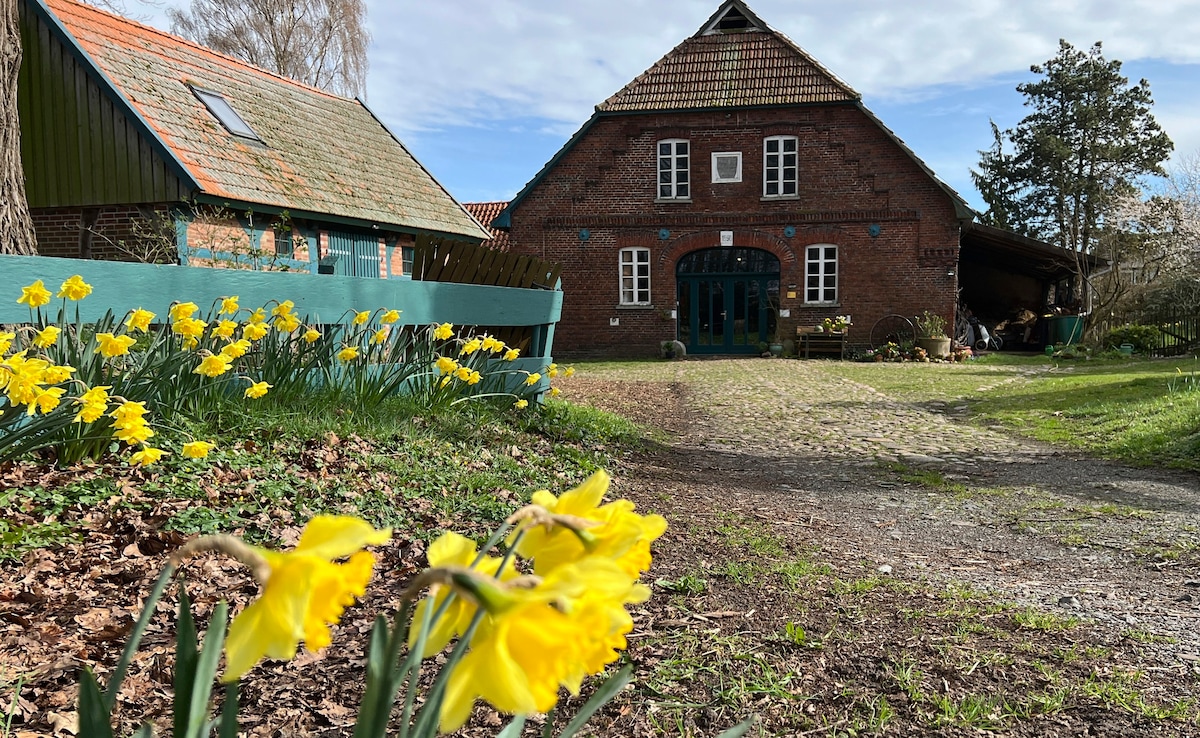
(853, 176)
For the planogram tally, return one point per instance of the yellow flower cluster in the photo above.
(26, 381)
(553, 630)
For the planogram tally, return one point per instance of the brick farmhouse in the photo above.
(738, 191)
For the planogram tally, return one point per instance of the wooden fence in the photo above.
(458, 262)
(123, 286)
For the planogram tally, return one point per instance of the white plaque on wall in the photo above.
(726, 238)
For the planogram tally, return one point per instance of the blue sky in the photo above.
(484, 92)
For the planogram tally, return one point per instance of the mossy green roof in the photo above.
(319, 153)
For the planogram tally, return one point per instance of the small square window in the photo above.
(727, 166)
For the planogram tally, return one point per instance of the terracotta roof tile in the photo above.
(320, 153)
(485, 213)
(730, 70)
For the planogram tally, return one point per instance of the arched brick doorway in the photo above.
(728, 299)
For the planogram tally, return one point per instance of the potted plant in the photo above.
(931, 335)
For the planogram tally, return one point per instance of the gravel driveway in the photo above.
(1034, 524)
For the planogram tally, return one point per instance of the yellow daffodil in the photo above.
(304, 592)
(229, 305)
(363, 317)
(471, 347)
(552, 370)
(512, 354)
(443, 331)
(348, 353)
(181, 310)
(225, 329)
(6, 340)
(35, 295)
(110, 345)
(446, 365)
(533, 379)
(616, 531)
(532, 641)
(474, 378)
(139, 320)
(56, 374)
(569, 372)
(257, 390)
(47, 336)
(283, 308)
(463, 373)
(23, 378)
(258, 316)
(389, 317)
(46, 400)
(74, 288)
(129, 423)
(379, 336)
(287, 323)
(213, 365)
(491, 345)
(197, 449)
(521, 404)
(92, 404)
(555, 392)
(445, 381)
(254, 331)
(236, 349)
(312, 335)
(147, 456)
(189, 327)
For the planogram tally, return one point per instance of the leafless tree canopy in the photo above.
(320, 42)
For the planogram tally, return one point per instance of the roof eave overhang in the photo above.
(361, 223)
(998, 240)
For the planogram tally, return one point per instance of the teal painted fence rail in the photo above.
(122, 286)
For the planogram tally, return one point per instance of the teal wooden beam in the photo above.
(122, 286)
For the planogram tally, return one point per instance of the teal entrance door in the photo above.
(727, 299)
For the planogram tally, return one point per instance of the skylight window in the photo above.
(224, 112)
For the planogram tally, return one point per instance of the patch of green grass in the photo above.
(975, 711)
(1034, 619)
(690, 584)
(1145, 636)
(1123, 410)
(742, 532)
(801, 570)
(859, 586)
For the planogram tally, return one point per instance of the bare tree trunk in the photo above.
(16, 227)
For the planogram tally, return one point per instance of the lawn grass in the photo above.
(1144, 412)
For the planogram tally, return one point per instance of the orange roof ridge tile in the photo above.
(80, 10)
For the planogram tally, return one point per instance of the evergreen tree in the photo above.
(1086, 146)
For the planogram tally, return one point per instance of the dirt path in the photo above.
(877, 488)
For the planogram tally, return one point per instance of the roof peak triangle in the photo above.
(734, 16)
(734, 60)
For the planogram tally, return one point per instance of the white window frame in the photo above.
(821, 274)
(776, 171)
(673, 173)
(633, 274)
(716, 177)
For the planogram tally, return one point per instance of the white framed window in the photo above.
(674, 182)
(635, 276)
(779, 166)
(821, 273)
(726, 166)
